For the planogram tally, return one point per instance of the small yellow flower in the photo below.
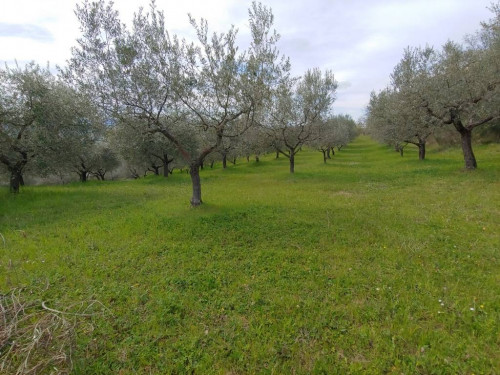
(482, 306)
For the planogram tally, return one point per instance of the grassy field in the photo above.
(372, 263)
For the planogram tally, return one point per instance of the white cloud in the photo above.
(360, 40)
(27, 31)
(374, 43)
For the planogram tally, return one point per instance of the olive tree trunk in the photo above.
(469, 158)
(166, 171)
(83, 176)
(421, 151)
(16, 178)
(16, 172)
(194, 171)
(155, 169)
(224, 160)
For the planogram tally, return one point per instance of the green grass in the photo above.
(337, 269)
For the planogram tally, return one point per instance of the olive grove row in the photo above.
(144, 96)
(457, 86)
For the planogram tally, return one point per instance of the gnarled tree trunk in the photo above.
(194, 171)
(101, 174)
(166, 171)
(421, 151)
(16, 171)
(469, 158)
(83, 176)
(15, 180)
(155, 169)
(466, 138)
(224, 160)
(166, 162)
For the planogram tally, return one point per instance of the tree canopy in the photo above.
(43, 122)
(457, 85)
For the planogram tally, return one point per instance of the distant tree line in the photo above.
(456, 87)
(143, 98)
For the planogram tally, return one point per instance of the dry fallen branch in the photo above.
(90, 305)
(38, 339)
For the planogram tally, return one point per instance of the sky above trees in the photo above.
(360, 40)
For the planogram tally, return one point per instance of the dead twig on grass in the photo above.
(35, 337)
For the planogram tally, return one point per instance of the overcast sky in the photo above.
(360, 40)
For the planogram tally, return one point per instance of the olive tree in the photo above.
(147, 74)
(333, 131)
(396, 114)
(413, 122)
(380, 118)
(42, 121)
(464, 91)
(344, 130)
(255, 142)
(458, 86)
(295, 110)
(143, 151)
(105, 160)
(324, 138)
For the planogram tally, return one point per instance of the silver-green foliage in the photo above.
(149, 75)
(457, 85)
(296, 107)
(43, 122)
